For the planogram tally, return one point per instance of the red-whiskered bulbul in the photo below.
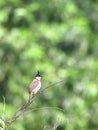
(35, 85)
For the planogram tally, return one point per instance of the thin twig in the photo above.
(53, 84)
(56, 125)
(3, 113)
(38, 108)
(17, 114)
(22, 109)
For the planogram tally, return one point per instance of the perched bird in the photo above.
(35, 85)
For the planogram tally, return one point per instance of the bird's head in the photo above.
(38, 76)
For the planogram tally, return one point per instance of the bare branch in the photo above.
(24, 107)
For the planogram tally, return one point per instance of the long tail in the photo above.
(29, 100)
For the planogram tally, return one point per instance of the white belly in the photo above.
(37, 88)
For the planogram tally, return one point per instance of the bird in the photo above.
(34, 86)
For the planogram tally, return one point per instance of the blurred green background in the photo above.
(60, 39)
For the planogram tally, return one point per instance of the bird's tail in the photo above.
(29, 100)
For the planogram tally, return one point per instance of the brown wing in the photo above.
(33, 85)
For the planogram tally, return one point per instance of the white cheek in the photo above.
(38, 78)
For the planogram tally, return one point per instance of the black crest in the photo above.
(38, 74)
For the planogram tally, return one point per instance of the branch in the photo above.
(17, 114)
(24, 107)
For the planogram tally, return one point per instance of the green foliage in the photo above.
(2, 124)
(59, 38)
